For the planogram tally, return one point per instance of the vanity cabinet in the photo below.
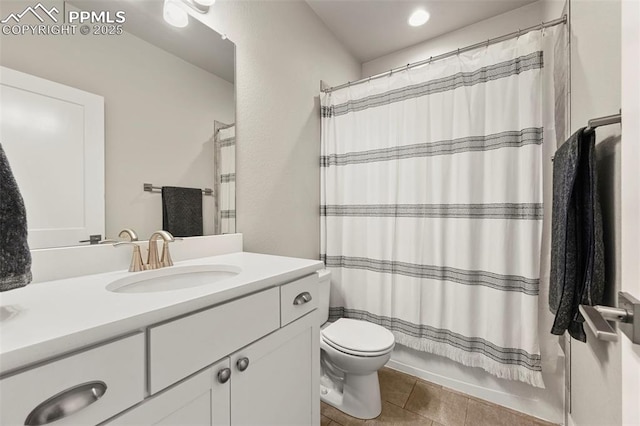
(269, 382)
(253, 360)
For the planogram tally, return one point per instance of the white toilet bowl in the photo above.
(357, 350)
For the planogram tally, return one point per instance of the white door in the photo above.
(53, 136)
(630, 202)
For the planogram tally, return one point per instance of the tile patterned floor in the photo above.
(407, 400)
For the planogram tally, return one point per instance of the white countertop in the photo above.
(45, 320)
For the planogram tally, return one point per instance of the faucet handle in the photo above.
(136, 258)
(165, 258)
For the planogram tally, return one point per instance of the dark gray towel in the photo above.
(15, 257)
(182, 211)
(577, 247)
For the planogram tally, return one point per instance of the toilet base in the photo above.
(359, 397)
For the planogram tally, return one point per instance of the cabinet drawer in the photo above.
(297, 298)
(186, 345)
(117, 368)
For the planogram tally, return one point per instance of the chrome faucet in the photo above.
(165, 258)
(129, 233)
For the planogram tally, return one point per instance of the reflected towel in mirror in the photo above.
(182, 211)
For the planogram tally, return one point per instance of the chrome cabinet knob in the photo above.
(242, 363)
(224, 375)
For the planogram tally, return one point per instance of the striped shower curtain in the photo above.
(225, 166)
(431, 205)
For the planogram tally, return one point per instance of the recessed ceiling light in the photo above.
(419, 17)
(174, 14)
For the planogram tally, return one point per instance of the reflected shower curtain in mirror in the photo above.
(431, 205)
(225, 191)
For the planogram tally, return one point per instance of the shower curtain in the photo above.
(225, 165)
(431, 205)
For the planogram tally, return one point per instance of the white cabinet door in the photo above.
(195, 413)
(276, 387)
(53, 136)
(201, 400)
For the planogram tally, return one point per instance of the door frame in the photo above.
(630, 200)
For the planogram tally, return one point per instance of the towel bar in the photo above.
(628, 315)
(148, 187)
(602, 121)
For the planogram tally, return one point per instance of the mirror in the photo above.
(166, 97)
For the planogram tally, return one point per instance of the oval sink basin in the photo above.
(173, 278)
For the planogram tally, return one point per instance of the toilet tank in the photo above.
(324, 291)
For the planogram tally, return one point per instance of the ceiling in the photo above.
(374, 28)
(196, 43)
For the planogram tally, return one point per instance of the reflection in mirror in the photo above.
(87, 120)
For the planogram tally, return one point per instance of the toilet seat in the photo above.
(356, 353)
(358, 338)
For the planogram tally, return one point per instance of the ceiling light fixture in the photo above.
(175, 13)
(419, 17)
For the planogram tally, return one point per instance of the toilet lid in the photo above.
(360, 336)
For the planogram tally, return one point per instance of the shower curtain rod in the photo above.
(562, 20)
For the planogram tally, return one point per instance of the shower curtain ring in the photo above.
(430, 59)
(518, 33)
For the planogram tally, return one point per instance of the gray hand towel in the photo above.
(182, 211)
(577, 247)
(15, 257)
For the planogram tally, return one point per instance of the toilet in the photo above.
(352, 352)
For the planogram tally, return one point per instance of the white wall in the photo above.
(595, 92)
(630, 200)
(531, 14)
(544, 403)
(283, 50)
(159, 116)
